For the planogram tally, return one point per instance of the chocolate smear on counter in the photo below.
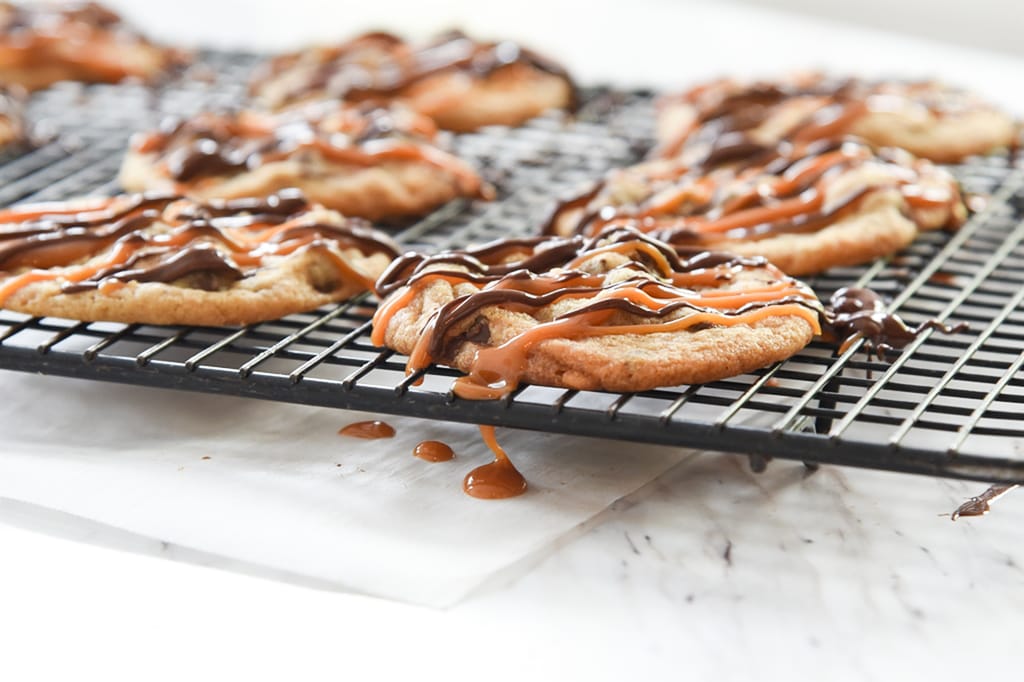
(369, 430)
(857, 312)
(980, 505)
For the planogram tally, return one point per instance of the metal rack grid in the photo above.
(945, 405)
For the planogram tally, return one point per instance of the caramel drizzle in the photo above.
(655, 284)
(776, 191)
(229, 143)
(381, 66)
(226, 239)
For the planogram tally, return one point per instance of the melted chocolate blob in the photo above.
(855, 312)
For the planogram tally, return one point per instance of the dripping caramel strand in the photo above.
(497, 480)
(231, 238)
(652, 285)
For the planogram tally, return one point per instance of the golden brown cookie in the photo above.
(12, 116)
(619, 312)
(362, 160)
(928, 119)
(460, 83)
(43, 43)
(805, 207)
(164, 259)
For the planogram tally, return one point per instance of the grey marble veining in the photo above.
(855, 574)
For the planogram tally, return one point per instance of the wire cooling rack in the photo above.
(944, 405)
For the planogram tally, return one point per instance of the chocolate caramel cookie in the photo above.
(618, 311)
(928, 119)
(365, 160)
(164, 259)
(459, 82)
(805, 206)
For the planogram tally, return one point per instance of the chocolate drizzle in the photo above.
(855, 312)
(166, 238)
(381, 65)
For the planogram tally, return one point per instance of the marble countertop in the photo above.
(707, 570)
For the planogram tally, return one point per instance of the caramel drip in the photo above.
(380, 66)
(369, 430)
(647, 293)
(497, 480)
(224, 240)
(786, 191)
(433, 451)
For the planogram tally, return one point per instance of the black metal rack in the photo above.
(945, 405)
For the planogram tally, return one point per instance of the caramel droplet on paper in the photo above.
(368, 430)
(433, 451)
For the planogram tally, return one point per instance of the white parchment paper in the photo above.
(281, 489)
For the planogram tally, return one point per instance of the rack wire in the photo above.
(944, 405)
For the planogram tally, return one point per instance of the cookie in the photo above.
(460, 83)
(362, 160)
(12, 116)
(41, 44)
(618, 312)
(163, 259)
(929, 119)
(805, 207)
